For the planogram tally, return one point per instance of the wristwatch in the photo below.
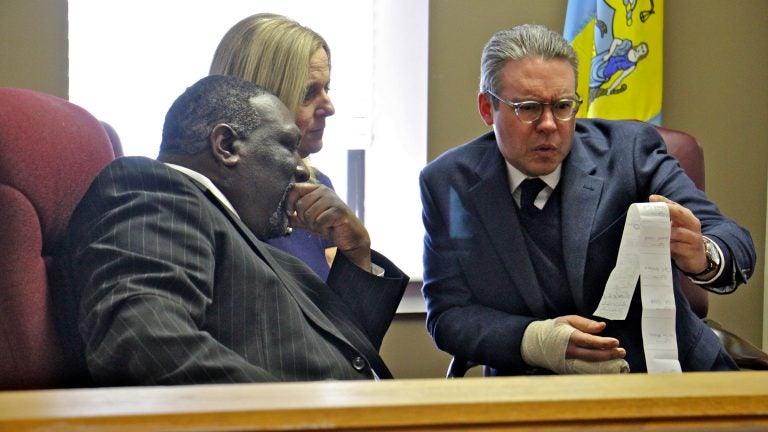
(713, 258)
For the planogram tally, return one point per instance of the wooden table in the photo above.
(692, 401)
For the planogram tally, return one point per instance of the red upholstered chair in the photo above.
(50, 151)
(114, 139)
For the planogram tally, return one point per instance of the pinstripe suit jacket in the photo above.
(174, 289)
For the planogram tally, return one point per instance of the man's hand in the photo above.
(317, 208)
(686, 244)
(585, 345)
(567, 345)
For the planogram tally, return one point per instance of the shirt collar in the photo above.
(516, 177)
(205, 181)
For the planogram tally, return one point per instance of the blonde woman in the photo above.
(294, 62)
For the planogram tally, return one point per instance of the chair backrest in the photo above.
(50, 151)
(114, 139)
(687, 150)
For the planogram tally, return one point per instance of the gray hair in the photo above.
(212, 100)
(520, 42)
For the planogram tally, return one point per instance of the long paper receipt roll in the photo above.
(644, 254)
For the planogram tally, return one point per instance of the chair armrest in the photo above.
(746, 355)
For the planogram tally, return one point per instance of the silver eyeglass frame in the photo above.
(516, 106)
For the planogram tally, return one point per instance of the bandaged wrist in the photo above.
(544, 345)
(615, 366)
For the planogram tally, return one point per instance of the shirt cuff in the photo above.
(377, 270)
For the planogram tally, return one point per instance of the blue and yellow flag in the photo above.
(619, 43)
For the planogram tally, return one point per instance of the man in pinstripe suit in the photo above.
(174, 281)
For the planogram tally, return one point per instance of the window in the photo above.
(130, 59)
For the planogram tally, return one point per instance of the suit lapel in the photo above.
(579, 200)
(500, 221)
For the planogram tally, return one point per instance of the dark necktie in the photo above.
(530, 189)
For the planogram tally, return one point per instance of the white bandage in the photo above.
(544, 345)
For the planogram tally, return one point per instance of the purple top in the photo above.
(305, 245)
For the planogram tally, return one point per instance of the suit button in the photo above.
(358, 363)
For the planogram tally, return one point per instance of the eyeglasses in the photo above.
(530, 111)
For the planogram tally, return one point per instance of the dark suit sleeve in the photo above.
(142, 257)
(667, 178)
(372, 299)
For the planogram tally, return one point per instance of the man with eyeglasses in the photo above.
(523, 226)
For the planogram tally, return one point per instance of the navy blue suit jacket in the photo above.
(479, 281)
(175, 289)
